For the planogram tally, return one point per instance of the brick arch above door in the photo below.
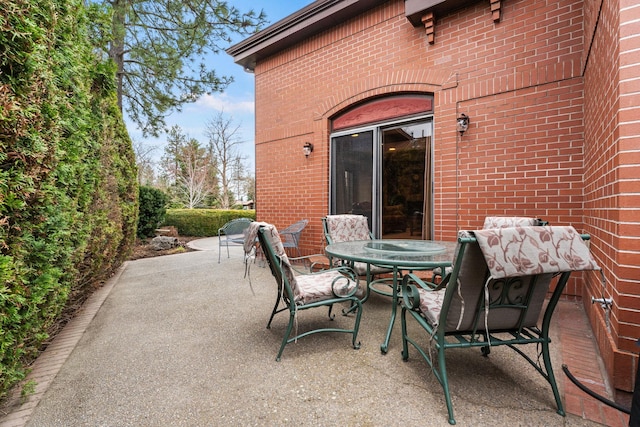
(383, 109)
(398, 82)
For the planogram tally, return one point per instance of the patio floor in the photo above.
(181, 340)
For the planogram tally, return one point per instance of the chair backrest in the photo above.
(511, 221)
(291, 234)
(234, 227)
(345, 228)
(501, 276)
(271, 246)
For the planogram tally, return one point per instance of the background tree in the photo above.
(250, 187)
(223, 146)
(170, 162)
(193, 178)
(160, 49)
(238, 175)
(189, 170)
(145, 163)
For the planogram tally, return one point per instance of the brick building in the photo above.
(551, 90)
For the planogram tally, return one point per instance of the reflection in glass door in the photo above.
(405, 179)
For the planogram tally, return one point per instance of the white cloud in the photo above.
(222, 102)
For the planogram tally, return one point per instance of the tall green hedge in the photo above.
(203, 222)
(68, 193)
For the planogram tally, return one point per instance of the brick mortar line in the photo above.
(47, 366)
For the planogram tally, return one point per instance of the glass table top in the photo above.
(405, 247)
(395, 252)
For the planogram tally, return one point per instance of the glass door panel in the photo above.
(406, 178)
(352, 174)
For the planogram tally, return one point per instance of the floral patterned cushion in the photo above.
(273, 238)
(471, 277)
(431, 304)
(497, 222)
(508, 221)
(320, 286)
(348, 228)
(361, 269)
(251, 236)
(521, 251)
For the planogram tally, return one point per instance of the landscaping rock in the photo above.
(161, 243)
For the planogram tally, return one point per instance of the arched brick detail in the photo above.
(401, 81)
(385, 108)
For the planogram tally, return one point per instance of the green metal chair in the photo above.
(232, 233)
(291, 235)
(297, 291)
(494, 296)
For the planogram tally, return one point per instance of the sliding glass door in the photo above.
(384, 172)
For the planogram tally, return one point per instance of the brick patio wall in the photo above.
(543, 141)
(612, 179)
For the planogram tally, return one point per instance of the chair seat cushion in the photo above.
(318, 286)
(460, 320)
(439, 271)
(361, 269)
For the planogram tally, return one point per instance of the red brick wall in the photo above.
(552, 133)
(474, 61)
(628, 178)
(612, 177)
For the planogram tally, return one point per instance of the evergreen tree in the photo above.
(160, 49)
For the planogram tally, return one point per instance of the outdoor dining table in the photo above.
(398, 255)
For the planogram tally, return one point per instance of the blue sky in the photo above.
(237, 101)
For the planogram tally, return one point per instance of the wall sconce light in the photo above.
(462, 123)
(307, 148)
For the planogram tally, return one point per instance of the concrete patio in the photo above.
(180, 340)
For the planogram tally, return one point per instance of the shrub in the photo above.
(203, 222)
(152, 210)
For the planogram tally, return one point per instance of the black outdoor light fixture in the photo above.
(462, 123)
(307, 148)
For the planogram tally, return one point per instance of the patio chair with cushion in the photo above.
(347, 228)
(232, 233)
(297, 291)
(494, 297)
(497, 222)
(291, 235)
